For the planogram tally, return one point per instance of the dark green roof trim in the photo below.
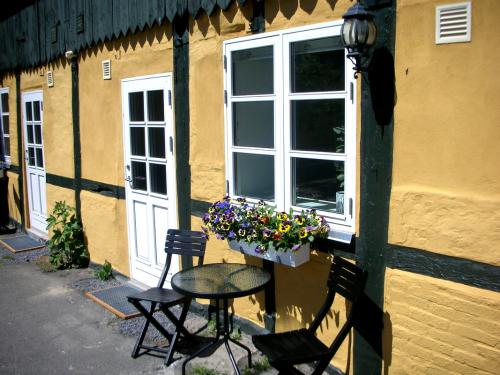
(47, 29)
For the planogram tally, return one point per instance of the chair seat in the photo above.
(159, 295)
(291, 347)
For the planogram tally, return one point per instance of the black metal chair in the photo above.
(180, 242)
(286, 349)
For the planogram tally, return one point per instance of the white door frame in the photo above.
(146, 265)
(34, 156)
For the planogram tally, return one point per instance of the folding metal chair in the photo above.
(183, 243)
(286, 349)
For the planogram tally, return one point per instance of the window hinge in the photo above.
(350, 206)
(170, 98)
(225, 96)
(227, 187)
(171, 145)
(225, 62)
(352, 92)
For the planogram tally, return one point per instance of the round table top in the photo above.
(220, 280)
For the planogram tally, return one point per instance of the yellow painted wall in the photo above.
(446, 193)
(439, 327)
(104, 218)
(446, 179)
(300, 292)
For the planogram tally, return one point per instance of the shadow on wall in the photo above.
(131, 41)
(203, 21)
(289, 7)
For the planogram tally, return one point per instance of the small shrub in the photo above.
(66, 245)
(212, 327)
(236, 334)
(199, 370)
(257, 367)
(8, 257)
(44, 263)
(105, 272)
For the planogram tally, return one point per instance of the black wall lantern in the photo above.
(358, 34)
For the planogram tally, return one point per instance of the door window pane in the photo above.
(5, 102)
(38, 134)
(136, 106)
(317, 65)
(158, 178)
(29, 113)
(6, 144)
(253, 71)
(155, 106)
(36, 111)
(5, 124)
(318, 184)
(31, 156)
(253, 124)
(30, 133)
(39, 158)
(137, 141)
(156, 142)
(139, 175)
(254, 176)
(318, 125)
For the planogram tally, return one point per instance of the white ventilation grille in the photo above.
(106, 69)
(50, 79)
(453, 23)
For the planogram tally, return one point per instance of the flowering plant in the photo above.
(262, 225)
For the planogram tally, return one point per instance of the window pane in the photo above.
(5, 123)
(31, 156)
(158, 178)
(156, 142)
(30, 133)
(29, 113)
(317, 65)
(318, 184)
(39, 158)
(253, 124)
(6, 144)
(137, 141)
(38, 134)
(139, 175)
(155, 106)
(253, 71)
(5, 102)
(254, 176)
(36, 111)
(318, 125)
(136, 106)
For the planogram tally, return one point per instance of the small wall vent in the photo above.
(106, 69)
(50, 79)
(453, 23)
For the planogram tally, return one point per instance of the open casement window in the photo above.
(4, 126)
(290, 122)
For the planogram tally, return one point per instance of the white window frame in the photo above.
(342, 225)
(2, 113)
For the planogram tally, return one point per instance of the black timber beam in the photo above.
(181, 111)
(376, 153)
(77, 154)
(20, 147)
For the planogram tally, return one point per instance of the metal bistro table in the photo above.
(220, 281)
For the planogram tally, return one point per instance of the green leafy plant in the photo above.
(236, 334)
(66, 244)
(105, 272)
(211, 327)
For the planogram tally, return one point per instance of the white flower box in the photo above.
(288, 258)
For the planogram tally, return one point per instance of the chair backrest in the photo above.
(349, 281)
(183, 243)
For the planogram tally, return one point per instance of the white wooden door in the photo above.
(149, 173)
(35, 161)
